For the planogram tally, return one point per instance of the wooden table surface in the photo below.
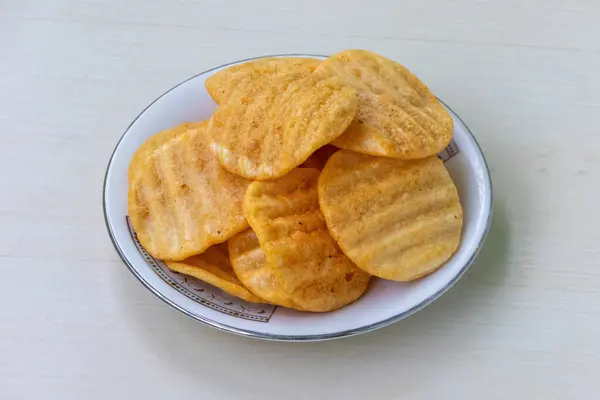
(524, 323)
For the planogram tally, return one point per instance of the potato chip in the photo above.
(367, 140)
(181, 201)
(152, 144)
(305, 268)
(223, 83)
(397, 114)
(319, 158)
(213, 267)
(395, 219)
(274, 124)
(249, 262)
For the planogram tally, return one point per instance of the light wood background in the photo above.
(524, 323)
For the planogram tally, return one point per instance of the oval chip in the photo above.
(223, 83)
(304, 268)
(213, 267)
(250, 265)
(181, 201)
(366, 139)
(152, 143)
(395, 219)
(274, 123)
(397, 114)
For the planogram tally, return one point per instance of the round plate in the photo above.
(384, 303)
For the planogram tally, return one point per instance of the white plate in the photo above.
(384, 303)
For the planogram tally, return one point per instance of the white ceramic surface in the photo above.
(384, 303)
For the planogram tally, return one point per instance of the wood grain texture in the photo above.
(523, 323)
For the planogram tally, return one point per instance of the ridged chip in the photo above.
(365, 139)
(213, 267)
(223, 83)
(275, 123)
(181, 201)
(395, 219)
(397, 114)
(152, 143)
(249, 262)
(305, 268)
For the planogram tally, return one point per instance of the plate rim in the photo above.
(291, 338)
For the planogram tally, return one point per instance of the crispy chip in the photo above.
(213, 267)
(395, 219)
(367, 140)
(319, 158)
(305, 268)
(151, 144)
(397, 114)
(249, 262)
(181, 201)
(223, 83)
(275, 123)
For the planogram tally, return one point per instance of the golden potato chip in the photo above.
(213, 267)
(319, 158)
(395, 219)
(397, 114)
(274, 124)
(249, 262)
(181, 201)
(151, 144)
(305, 268)
(223, 83)
(367, 140)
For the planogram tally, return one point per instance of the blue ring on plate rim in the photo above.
(293, 338)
